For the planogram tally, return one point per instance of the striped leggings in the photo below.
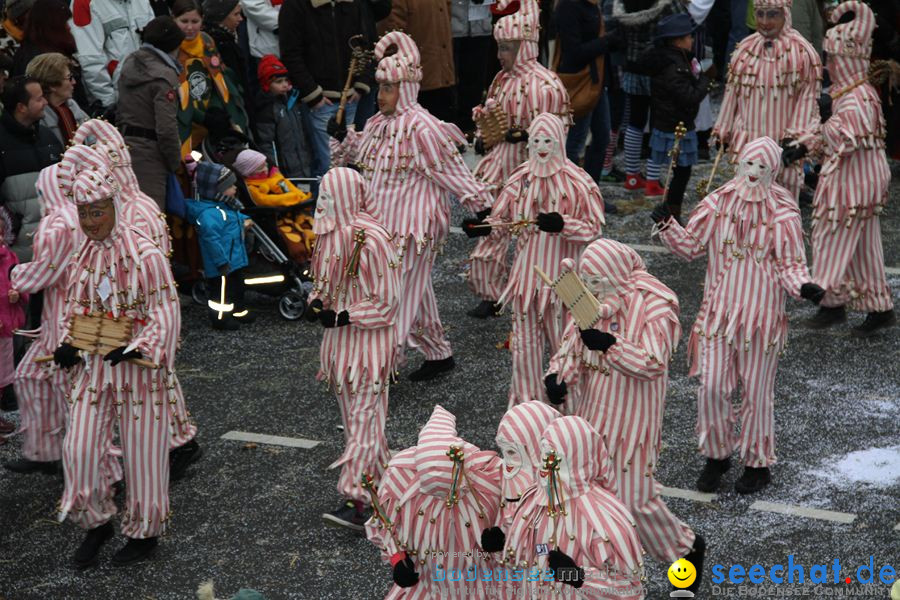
(487, 276)
(363, 414)
(418, 321)
(531, 330)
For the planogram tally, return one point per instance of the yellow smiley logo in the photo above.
(682, 573)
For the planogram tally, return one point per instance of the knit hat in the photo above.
(16, 9)
(215, 11)
(213, 179)
(163, 34)
(269, 68)
(674, 26)
(249, 162)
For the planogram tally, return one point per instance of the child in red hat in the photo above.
(280, 130)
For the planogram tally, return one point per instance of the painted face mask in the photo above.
(513, 458)
(546, 137)
(755, 173)
(325, 221)
(542, 149)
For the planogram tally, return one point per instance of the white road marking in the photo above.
(897, 527)
(892, 270)
(455, 229)
(688, 494)
(802, 511)
(649, 248)
(275, 440)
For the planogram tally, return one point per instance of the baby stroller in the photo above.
(270, 270)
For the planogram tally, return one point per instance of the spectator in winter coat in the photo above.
(148, 107)
(220, 20)
(313, 37)
(62, 115)
(27, 147)
(106, 31)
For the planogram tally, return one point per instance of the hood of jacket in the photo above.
(148, 64)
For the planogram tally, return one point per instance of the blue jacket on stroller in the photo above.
(220, 228)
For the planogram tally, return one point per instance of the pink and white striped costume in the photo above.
(134, 213)
(622, 391)
(772, 90)
(41, 387)
(848, 259)
(124, 274)
(138, 208)
(574, 509)
(547, 183)
(356, 359)
(437, 509)
(526, 91)
(751, 233)
(411, 164)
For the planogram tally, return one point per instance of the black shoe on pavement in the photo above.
(226, 323)
(609, 208)
(135, 550)
(484, 310)
(827, 316)
(432, 368)
(244, 317)
(695, 557)
(8, 400)
(753, 480)
(874, 322)
(23, 465)
(87, 552)
(350, 514)
(711, 475)
(182, 457)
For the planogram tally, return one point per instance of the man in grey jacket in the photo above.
(148, 105)
(26, 147)
(470, 22)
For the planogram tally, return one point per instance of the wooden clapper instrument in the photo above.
(582, 304)
(98, 333)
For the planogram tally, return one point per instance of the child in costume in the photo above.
(750, 231)
(561, 211)
(356, 292)
(591, 546)
(848, 258)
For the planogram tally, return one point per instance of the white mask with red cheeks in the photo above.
(325, 220)
(514, 458)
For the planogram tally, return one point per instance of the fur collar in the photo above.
(318, 3)
(642, 16)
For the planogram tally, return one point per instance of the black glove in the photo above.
(597, 340)
(483, 214)
(217, 120)
(812, 292)
(66, 356)
(336, 130)
(550, 222)
(824, 107)
(492, 539)
(515, 135)
(556, 390)
(119, 355)
(330, 319)
(479, 147)
(564, 569)
(474, 232)
(313, 310)
(405, 573)
(721, 144)
(660, 213)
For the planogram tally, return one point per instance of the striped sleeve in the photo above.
(689, 242)
(380, 284)
(441, 162)
(803, 122)
(52, 248)
(345, 153)
(163, 314)
(790, 263)
(846, 125)
(586, 223)
(647, 357)
(565, 362)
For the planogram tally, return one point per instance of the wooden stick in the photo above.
(543, 276)
(141, 362)
(345, 94)
(712, 173)
(508, 224)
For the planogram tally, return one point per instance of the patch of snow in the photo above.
(875, 466)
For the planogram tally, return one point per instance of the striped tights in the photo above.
(531, 329)
(418, 321)
(363, 414)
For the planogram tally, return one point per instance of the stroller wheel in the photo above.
(291, 305)
(199, 293)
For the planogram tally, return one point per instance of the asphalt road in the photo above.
(248, 516)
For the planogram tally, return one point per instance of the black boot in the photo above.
(711, 475)
(695, 557)
(8, 401)
(485, 309)
(87, 552)
(226, 323)
(874, 321)
(432, 368)
(350, 514)
(23, 465)
(135, 550)
(183, 456)
(826, 317)
(753, 480)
